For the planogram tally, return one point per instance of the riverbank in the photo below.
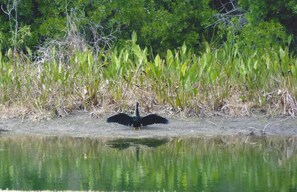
(82, 124)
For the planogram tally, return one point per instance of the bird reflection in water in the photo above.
(125, 143)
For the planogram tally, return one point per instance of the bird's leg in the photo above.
(137, 128)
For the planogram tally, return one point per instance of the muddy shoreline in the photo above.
(83, 125)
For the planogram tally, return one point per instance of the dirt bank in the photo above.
(83, 125)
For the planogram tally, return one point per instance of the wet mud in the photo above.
(83, 125)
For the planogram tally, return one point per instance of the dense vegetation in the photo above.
(198, 57)
(160, 25)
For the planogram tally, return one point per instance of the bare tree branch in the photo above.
(10, 7)
(90, 37)
(228, 11)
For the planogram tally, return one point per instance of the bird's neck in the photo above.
(137, 111)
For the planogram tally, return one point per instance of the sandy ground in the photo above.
(83, 125)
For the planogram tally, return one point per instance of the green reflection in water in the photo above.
(202, 164)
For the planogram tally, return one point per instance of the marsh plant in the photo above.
(226, 80)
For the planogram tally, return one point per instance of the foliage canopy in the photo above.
(160, 25)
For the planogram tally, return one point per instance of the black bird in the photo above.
(136, 121)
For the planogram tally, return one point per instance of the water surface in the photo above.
(201, 164)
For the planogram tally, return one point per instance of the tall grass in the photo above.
(226, 80)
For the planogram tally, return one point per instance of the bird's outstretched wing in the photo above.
(121, 118)
(152, 119)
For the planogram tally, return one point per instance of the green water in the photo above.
(213, 164)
